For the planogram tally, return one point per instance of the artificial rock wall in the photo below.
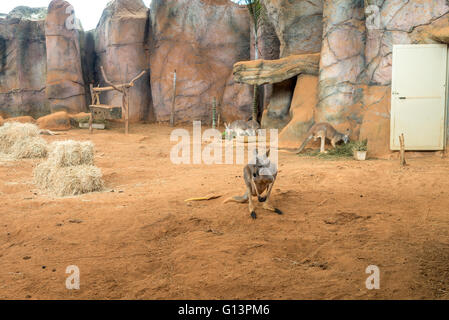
(201, 40)
(65, 88)
(44, 67)
(23, 63)
(356, 41)
(122, 40)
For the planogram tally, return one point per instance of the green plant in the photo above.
(360, 145)
(339, 152)
(256, 11)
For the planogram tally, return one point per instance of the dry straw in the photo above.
(71, 153)
(69, 169)
(22, 141)
(68, 181)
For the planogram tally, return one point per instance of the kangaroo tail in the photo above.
(242, 199)
(306, 141)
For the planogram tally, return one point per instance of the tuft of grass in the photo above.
(341, 151)
(361, 145)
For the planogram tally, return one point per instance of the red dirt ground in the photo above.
(142, 241)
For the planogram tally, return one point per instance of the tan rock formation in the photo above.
(122, 39)
(201, 40)
(23, 63)
(65, 85)
(274, 71)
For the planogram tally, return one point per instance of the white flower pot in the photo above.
(360, 155)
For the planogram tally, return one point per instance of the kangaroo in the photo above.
(259, 176)
(324, 130)
(241, 128)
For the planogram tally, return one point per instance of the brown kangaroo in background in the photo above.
(259, 175)
(324, 130)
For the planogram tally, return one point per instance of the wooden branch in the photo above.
(131, 84)
(118, 87)
(109, 82)
(260, 72)
(103, 89)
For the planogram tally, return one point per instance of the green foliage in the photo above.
(341, 151)
(361, 145)
(256, 11)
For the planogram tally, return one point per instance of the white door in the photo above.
(418, 100)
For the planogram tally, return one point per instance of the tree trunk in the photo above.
(256, 87)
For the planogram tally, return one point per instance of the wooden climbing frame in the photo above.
(108, 112)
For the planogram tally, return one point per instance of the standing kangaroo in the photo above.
(324, 130)
(259, 175)
(241, 128)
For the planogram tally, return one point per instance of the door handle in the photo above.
(402, 98)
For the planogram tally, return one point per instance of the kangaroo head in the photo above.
(263, 168)
(346, 136)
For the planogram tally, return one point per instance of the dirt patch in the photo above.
(140, 240)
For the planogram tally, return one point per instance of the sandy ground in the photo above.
(140, 240)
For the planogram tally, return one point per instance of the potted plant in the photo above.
(360, 149)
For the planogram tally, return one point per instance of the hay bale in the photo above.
(68, 181)
(69, 169)
(71, 153)
(31, 148)
(22, 140)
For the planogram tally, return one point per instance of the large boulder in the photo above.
(298, 24)
(58, 121)
(65, 83)
(201, 40)
(122, 39)
(23, 63)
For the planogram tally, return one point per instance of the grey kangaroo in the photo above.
(259, 175)
(324, 130)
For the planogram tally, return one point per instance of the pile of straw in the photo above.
(69, 169)
(22, 141)
(71, 153)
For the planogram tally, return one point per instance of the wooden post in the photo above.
(172, 114)
(402, 143)
(92, 95)
(214, 113)
(124, 90)
(126, 109)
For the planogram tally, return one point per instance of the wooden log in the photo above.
(172, 113)
(260, 72)
(402, 155)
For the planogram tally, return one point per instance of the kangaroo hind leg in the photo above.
(267, 205)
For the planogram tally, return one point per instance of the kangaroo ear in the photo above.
(255, 152)
(268, 152)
